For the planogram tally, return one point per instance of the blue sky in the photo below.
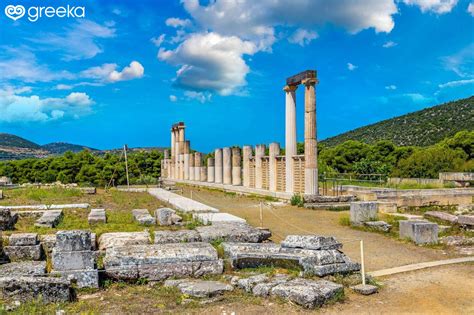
(127, 70)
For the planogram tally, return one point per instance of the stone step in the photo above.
(328, 206)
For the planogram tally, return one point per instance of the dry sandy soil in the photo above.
(440, 290)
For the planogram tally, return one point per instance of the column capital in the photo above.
(290, 88)
(310, 81)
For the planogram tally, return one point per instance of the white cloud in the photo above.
(389, 44)
(64, 87)
(210, 62)
(470, 8)
(391, 87)
(456, 83)
(108, 73)
(351, 67)
(173, 98)
(157, 41)
(15, 107)
(461, 62)
(302, 37)
(199, 96)
(77, 42)
(436, 6)
(177, 22)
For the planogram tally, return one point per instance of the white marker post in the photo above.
(261, 215)
(362, 266)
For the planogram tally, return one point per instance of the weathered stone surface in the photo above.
(199, 288)
(164, 216)
(420, 232)
(82, 278)
(387, 207)
(465, 208)
(457, 240)
(50, 290)
(328, 199)
(7, 219)
(23, 268)
(88, 190)
(311, 242)
(378, 225)
(48, 241)
(312, 262)
(176, 219)
(29, 252)
(181, 236)
(466, 220)
(367, 289)
(49, 219)
(263, 289)
(77, 260)
(23, 239)
(363, 211)
(180, 202)
(233, 232)
(73, 240)
(117, 239)
(1, 194)
(142, 216)
(443, 216)
(211, 218)
(162, 261)
(97, 216)
(247, 284)
(308, 293)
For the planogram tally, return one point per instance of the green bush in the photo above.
(297, 200)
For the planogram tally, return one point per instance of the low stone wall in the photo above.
(419, 181)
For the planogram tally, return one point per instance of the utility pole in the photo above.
(126, 165)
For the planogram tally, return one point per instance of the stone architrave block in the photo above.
(50, 289)
(49, 219)
(363, 211)
(420, 232)
(97, 216)
(23, 239)
(78, 260)
(73, 240)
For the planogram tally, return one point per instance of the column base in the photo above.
(311, 181)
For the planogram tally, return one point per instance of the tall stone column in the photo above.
(197, 166)
(165, 162)
(274, 152)
(310, 139)
(173, 151)
(290, 135)
(246, 155)
(219, 166)
(203, 170)
(259, 153)
(191, 166)
(181, 147)
(227, 166)
(236, 167)
(186, 159)
(176, 153)
(210, 170)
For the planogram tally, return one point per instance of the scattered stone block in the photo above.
(442, 216)
(48, 241)
(457, 240)
(88, 190)
(311, 242)
(73, 240)
(78, 260)
(162, 261)
(379, 225)
(387, 207)
(164, 216)
(180, 202)
(82, 278)
(142, 216)
(23, 239)
(97, 216)
(248, 284)
(23, 268)
(25, 289)
(181, 236)
(176, 219)
(117, 239)
(420, 232)
(29, 252)
(263, 289)
(361, 212)
(211, 218)
(466, 220)
(367, 289)
(200, 288)
(7, 219)
(308, 293)
(465, 209)
(233, 232)
(49, 219)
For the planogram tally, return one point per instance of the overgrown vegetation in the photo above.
(297, 200)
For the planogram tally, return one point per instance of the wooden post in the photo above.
(362, 265)
(261, 215)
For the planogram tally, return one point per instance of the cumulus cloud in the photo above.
(210, 62)
(77, 42)
(389, 44)
(108, 73)
(470, 8)
(351, 67)
(157, 41)
(16, 107)
(302, 37)
(436, 6)
(177, 22)
(199, 96)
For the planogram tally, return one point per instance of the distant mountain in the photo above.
(61, 147)
(9, 140)
(421, 128)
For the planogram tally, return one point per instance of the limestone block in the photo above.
(311, 242)
(142, 216)
(387, 207)
(49, 219)
(367, 289)
(420, 232)
(82, 278)
(23, 239)
(181, 236)
(115, 239)
(248, 284)
(29, 252)
(467, 220)
(210, 218)
(233, 232)
(23, 268)
(88, 190)
(97, 216)
(199, 288)
(73, 240)
(378, 225)
(48, 241)
(78, 260)
(164, 216)
(7, 219)
(361, 212)
(50, 289)
(442, 216)
(263, 289)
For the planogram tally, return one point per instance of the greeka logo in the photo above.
(16, 12)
